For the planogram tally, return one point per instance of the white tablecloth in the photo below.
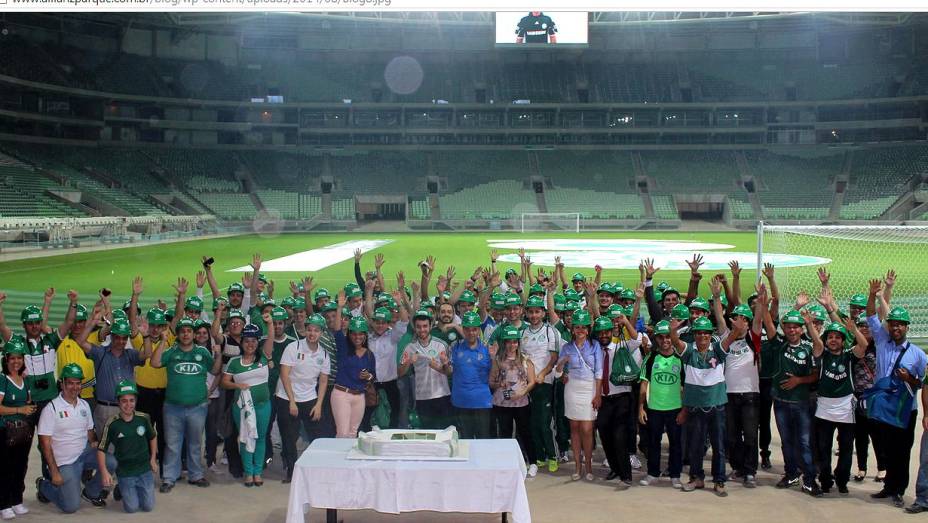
(491, 481)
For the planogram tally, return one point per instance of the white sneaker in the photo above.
(20, 509)
(7, 513)
(636, 463)
(648, 480)
(216, 469)
(606, 463)
(224, 460)
(677, 484)
(532, 470)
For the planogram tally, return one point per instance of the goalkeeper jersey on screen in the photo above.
(535, 28)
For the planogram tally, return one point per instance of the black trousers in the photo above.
(824, 436)
(741, 437)
(230, 431)
(13, 479)
(897, 446)
(151, 402)
(393, 396)
(637, 431)
(612, 423)
(289, 427)
(503, 420)
(866, 431)
(764, 409)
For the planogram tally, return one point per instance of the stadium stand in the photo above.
(793, 187)
(665, 208)
(231, 206)
(343, 209)
(23, 192)
(291, 205)
(498, 200)
(692, 172)
(740, 209)
(419, 210)
(879, 177)
(612, 170)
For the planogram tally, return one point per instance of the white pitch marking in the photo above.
(316, 259)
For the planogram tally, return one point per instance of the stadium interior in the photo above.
(417, 121)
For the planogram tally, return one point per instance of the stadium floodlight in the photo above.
(550, 221)
(858, 253)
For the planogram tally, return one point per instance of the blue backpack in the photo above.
(890, 399)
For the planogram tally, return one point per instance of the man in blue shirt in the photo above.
(890, 342)
(470, 365)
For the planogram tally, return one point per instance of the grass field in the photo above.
(160, 265)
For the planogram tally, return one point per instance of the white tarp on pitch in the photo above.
(316, 259)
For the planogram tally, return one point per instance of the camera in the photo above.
(105, 292)
(507, 394)
(209, 261)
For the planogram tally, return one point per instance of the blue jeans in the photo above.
(921, 482)
(67, 497)
(183, 423)
(795, 426)
(659, 422)
(138, 492)
(699, 422)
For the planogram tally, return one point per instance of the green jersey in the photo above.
(14, 396)
(41, 361)
(186, 374)
(835, 379)
(705, 376)
(255, 375)
(449, 337)
(768, 359)
(795, 360)
(664, 375)
(130, 441)
(565, 332)
(494, 338)
(276, 354)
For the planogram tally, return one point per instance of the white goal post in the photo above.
(550, 221)
(854, 254)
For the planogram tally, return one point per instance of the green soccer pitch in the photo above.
(160, 265)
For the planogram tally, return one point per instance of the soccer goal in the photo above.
(853, 255)
(554, 221)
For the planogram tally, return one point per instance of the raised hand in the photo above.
(378, 261)
(557, 262)
(2, 297)
(806, 315)
(493, 349)
(294, 288)
(270, 288)
(875, 286)
(206, 266)
(201, 279)
(598, 268)
(137, 285)
(450, 273)
(246, 279)
(715, 285)
(675, 323)
(72, 296)
(695, 263)
(400, 280)
(494, 279)
(181, 286)
(802, 299)
(494, 255)
(639, 291)
(768, 271)
(308, 284)
(522, 253)
(49, 294)
(415, 287)
(341, 298)
(735, 268)
(266, 316)
(357, 255)
(823, 276)
(890, 278)
(443, 358)
(368, 285)
(256, 262)
(649, 268)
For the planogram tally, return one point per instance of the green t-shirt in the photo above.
(664, 375)
(130, 441)
(401, 347)
(768, 359)
(795, 360)
(276, 354)
(835, 379)
(449, 337)
(705, 376)
(494, 338)
(255, 375)
(565, 332)
(13, 396)
(41, 363)
(186, 375)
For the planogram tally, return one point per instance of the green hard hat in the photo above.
(617, 287)
(155, 316)
(602, 323)
(194, 303)
(497, 301)
(615, 310)
(858, 300)
(279, 314)
(468, 297)
(262, 277)
(559, 302)
(80, 313)
(862, 320)
(578, 277)
(669, 290)
(197, 323)
(793, 317)
(510, 333)
(355, 293)
(699, 303)
(835, 327)
(627, 294)
(572, 295)
(357, 324)
(572, 306)
(16, 345)
(581, 317)
(513, 300)
(605, 287)
(219, 300)
(662, 327)
(331, 306)
(121, 315)
(351, 285)
(287, 302)
(185, 322)
(317, 320)
(383, 313)
(72, 370)
(662, 286)
(629, 311)
(263, 296)
(31, 314)
(680, 312)
(818, 312)
(743, 310)
(899, 314)
(346, 311)
(235, 287)
(510, 272)
(126, 387)
(299, 303)
(236, 313)
(471, 319)
(702, 324)
(321, 293)
(423, 313)
(536, 287)
(120, 328)
(535, 301)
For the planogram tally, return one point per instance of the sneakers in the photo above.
(20, 509)
(813, 490)
(880, 495)
(532, 470)
(735, 474)
(636, 463)
(7, 513)
(898, 502)
(787, 482)
(98, 502)
(165, 487)
(750, 481)
(216, 469)
(38, 490)
(606, 463)
(648, 480)
(765, 463)
(552, 465)
(677, 484)
(693, 485)
(625, 484)
(842, 489)
(915, 508)
(202, 482)
(565, 457)
(719, 490)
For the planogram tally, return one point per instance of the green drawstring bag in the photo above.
(381, 415)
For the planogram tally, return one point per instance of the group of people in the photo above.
(120, 396)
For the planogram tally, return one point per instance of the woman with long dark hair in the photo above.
(356, 368)
(15, 406)
(512, 377)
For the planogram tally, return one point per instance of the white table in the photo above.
(492, 481)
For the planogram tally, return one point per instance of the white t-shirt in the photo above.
(305, 367)
(67, 425)
(538, 345)
(430, 383)
(633, 346)
(384, 349)
(741, 370)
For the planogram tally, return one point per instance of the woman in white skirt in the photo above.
(583, 360)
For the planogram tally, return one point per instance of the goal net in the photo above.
(557, 221)
(852, 255)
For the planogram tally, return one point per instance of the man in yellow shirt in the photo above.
(151, 382)
(70, 352)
